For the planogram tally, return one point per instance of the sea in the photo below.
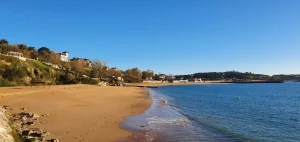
(221, 112)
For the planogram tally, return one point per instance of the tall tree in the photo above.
(133, 75)
(77, 67)
(115, 72)
(53, 58)
(44, 50)
(97, 69)
(148, 74)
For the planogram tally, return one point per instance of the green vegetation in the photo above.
(41, 64)
(292, 77)
(133, 75)
(87, 81)
(147, 75)
(230, 75)
(17, 72)
(5, 83)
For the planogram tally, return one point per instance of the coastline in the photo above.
(78, 112)
(155, 85)
(170, 84)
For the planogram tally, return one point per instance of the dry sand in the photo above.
(78, 112)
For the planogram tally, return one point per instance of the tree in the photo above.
(4, 47)
(22, 46)
(114, 72)
(31, 49)
(44, 50)
(53, 58)
(34, 55)
(99, 70)
(133, 75)
(156, 77)
(77, 67)
(66, 66)
(96, 69)
(4, 41)
(148, 74)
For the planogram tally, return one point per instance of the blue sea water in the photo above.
(224, 112)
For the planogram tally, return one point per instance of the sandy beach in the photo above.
(78, 112)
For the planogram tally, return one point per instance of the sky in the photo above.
(167, 36)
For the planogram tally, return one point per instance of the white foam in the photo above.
(168, 121)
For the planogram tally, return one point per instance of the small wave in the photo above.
(174, 107)
(169, 121)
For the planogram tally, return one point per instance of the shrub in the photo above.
(87, 81)
(5, 83)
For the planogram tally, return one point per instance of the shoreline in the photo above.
(78, 112)
(169, 84)
(155, 85)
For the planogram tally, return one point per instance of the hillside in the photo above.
(17, 72)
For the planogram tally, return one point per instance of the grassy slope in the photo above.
(41, 64)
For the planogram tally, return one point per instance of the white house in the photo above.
(17, 55)
(64, 56)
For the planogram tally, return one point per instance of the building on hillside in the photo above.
(198, 80)
(86, 62)
(17, 55)
(195, 80)
(64, 56)
(170, 77)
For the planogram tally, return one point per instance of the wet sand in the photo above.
(78, 112)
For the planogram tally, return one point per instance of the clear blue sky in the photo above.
(167, 36)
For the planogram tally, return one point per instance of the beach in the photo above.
(78, 112)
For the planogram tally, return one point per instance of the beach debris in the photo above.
(102, 83)
(24, 108)
(30, 123)
(24, 118)
(53, 140)
(35, 133)
(5, 106)
(43, 115)
(164, 101)
(34, 115)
